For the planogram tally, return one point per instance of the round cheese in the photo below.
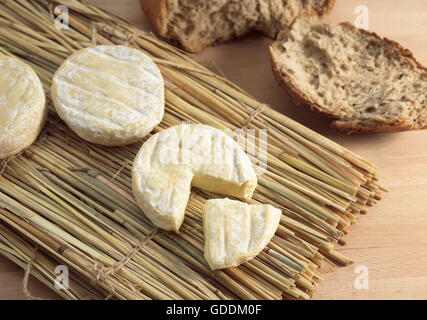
(109, 95)
(22, 106)
(173, 160)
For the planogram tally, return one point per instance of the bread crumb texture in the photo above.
(196, 24)
(368, 83)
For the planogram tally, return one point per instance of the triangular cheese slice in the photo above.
(235, 231)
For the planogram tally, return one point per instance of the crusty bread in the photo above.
(367, 82)
(196, 24)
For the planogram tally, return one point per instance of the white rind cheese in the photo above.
(173, 160)
(109, 95)
(22, 106)
(235, 231)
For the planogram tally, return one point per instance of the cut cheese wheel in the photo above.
(109, 95)
(22, 106)
(173, 160)
(235, 231)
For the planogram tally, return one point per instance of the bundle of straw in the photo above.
(17, 249)
(73, 200)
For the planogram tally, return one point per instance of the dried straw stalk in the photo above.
(19, 250)
(73, 200)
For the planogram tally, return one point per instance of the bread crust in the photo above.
(347, 127)
(155, 10)
(329, 7)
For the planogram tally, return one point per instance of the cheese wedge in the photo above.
(235, 231)
(173, 160)
(109, 95)
(22, 106)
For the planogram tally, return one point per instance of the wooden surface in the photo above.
(391, 240)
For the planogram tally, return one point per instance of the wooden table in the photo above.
(391, 240)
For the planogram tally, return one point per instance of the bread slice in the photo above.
(196, 24)
(366, 82)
